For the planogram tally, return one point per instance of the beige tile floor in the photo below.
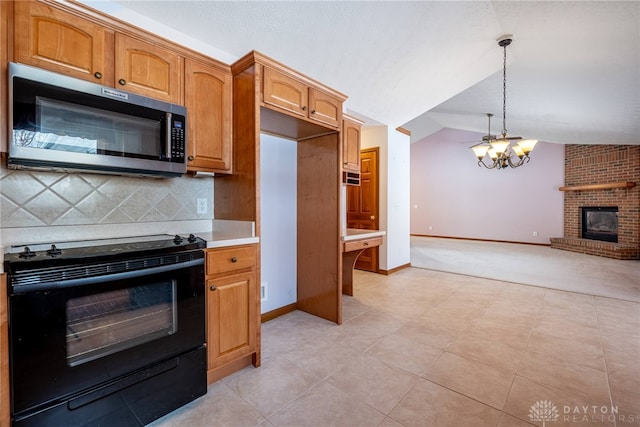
(428, 348)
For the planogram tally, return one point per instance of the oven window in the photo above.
(105, 323)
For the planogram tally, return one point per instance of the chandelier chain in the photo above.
(504, 92)
(501, 153)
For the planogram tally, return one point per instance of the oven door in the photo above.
(70, 339)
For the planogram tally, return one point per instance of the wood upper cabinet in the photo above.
(62, 42)
(350, 145)
(285, 92)
(208, 98)
(324, 108)
(147, 69)
(299, 98)
(49, 38)
(233, 310)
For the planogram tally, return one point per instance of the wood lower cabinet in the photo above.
(300, 99)
(233, 310)
(208, 98)
(147, 69)
(58, 41)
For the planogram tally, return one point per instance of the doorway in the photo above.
(363, 206)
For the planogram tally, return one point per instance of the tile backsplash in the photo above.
(34, 198)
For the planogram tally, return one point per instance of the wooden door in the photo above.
(148, 69)
(58, 41)
(231, 318)
(363, 207)
(208, 99)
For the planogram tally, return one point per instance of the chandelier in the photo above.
(500, 151)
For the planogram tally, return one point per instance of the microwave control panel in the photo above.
(177, 140)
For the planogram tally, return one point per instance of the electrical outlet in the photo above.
(202, 206)
(263, 291)
(535, 234)
(430, 227)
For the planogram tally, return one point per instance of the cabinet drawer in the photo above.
(356, 245)
(230, 259)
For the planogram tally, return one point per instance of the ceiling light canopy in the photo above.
(505, 151)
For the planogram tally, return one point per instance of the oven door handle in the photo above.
(57, 284)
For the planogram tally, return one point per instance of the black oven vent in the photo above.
(60, 276)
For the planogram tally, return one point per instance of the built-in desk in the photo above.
(354, 242)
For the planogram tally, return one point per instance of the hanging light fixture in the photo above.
(501, 152)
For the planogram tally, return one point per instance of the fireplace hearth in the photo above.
(600, 223)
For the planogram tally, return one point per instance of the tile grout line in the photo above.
(604, 356)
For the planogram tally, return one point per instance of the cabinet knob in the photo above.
(190, 158)
(304, 108)
(212, 287)
(97, 75)
(122, 82)
(373, 218)
(313, 111)
(234, 259)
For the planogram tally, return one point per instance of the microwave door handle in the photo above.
(168, 134)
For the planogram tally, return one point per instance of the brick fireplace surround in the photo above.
(602, 175)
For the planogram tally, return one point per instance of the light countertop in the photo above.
(358, 234)
(219, 239)
(230, 233)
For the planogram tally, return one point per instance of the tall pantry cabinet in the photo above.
(272, 98)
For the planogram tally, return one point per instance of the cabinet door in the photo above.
(148, 70)
(58, 41)
(324, 108)
(231, 318)
(208, 98)
(351, 146)
(284, 92)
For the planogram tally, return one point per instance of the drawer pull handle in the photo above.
(366, 243)
(234, 259)
(213, 287)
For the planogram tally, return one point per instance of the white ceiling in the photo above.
(573, 73)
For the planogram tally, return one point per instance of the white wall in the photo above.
(398, 199)
(278, 176)
(456, 198)
(394, 192)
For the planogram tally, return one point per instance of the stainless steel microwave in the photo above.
(65, 124)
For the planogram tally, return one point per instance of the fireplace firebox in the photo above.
(600, 223)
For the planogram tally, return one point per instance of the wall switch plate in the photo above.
(535, 234)
(263, 291)
(202, 206)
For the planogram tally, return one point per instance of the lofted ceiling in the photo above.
(573, 73)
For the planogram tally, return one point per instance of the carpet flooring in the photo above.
(529, 265)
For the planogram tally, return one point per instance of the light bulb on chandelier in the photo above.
(501, 151)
